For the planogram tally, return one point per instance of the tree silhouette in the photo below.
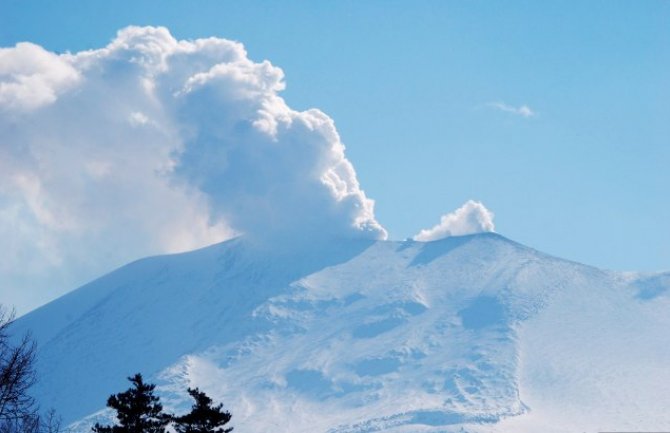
(17, 373)
(204, 417)
(138, 410)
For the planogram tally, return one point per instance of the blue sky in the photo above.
(427, 98)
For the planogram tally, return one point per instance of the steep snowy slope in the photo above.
(472, 333)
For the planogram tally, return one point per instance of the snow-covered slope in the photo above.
(472, 333)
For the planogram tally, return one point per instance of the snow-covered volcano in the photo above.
(472, 333)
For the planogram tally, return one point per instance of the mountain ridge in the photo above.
(389, 335)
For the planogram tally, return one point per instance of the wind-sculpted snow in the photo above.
(466, 334)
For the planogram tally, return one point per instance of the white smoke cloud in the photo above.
(472, 217)
(153, 145)
(31, 76)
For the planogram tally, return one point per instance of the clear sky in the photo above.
(556, 115)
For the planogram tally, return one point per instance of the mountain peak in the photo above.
(355, 335)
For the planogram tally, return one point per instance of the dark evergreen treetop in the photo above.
(138, 410)
(204, 417)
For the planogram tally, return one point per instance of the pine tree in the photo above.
(138, 410)
(203, 418)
